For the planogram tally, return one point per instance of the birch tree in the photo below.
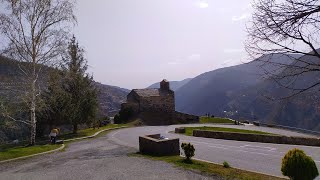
(34, 32)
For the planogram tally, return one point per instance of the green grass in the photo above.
(215, 120)
(14, 152)
(210, 168)
(189, 130)
(87, 132)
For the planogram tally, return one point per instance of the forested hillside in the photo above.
(11, 81)
(242, 92)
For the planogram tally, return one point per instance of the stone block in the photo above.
(152, 144)
(180, 130)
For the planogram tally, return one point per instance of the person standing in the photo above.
(53, 135)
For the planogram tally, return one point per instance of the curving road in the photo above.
(95, 159)
(259, 157)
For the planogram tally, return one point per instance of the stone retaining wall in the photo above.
(180, 130)
(185, 118)
(258, 138)
(151, 144)
(164, 118)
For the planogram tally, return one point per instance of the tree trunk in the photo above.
(33, 114)
(75, 128)
(33, 134)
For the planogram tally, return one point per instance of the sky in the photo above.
(135, 43)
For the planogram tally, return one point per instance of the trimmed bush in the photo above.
(298, 166)
(226, 164)
(188, 150)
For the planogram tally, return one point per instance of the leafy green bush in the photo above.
(117, 119)
(297, 165)
(188, 150)
(226, 164)
(123, 116)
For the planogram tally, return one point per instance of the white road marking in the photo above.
(259, 147)
(118, 140)
(115, 133)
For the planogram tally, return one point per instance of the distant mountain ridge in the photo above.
(241, 92)
(174, 85)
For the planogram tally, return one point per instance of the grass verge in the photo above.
(210, 168)
(15, 152)
(215, 120)
(189, 130)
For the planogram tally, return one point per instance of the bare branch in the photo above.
(286, 27)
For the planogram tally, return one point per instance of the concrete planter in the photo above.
(152, 144)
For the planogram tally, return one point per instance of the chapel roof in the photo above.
(147, 92)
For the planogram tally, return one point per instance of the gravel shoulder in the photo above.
(99, 158)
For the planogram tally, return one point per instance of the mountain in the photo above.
(211, 91)
(174, 85)
(110, 97)
(302, 110)
(8, 69)
(241, 92)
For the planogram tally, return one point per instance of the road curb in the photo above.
(95, 134)
(32, 155)
(62, 147)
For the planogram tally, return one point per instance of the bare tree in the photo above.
(35, 32)
(289, 28)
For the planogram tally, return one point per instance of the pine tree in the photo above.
(83, 104)
(55, 101)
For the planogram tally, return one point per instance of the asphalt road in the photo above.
(95, 159)
(259, 157)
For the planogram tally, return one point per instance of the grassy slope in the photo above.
(189, 130)
(20, 151)
(212, 169)
(215, 120)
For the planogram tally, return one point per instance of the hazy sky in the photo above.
(134, 43)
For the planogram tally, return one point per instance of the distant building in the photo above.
(156, 106)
